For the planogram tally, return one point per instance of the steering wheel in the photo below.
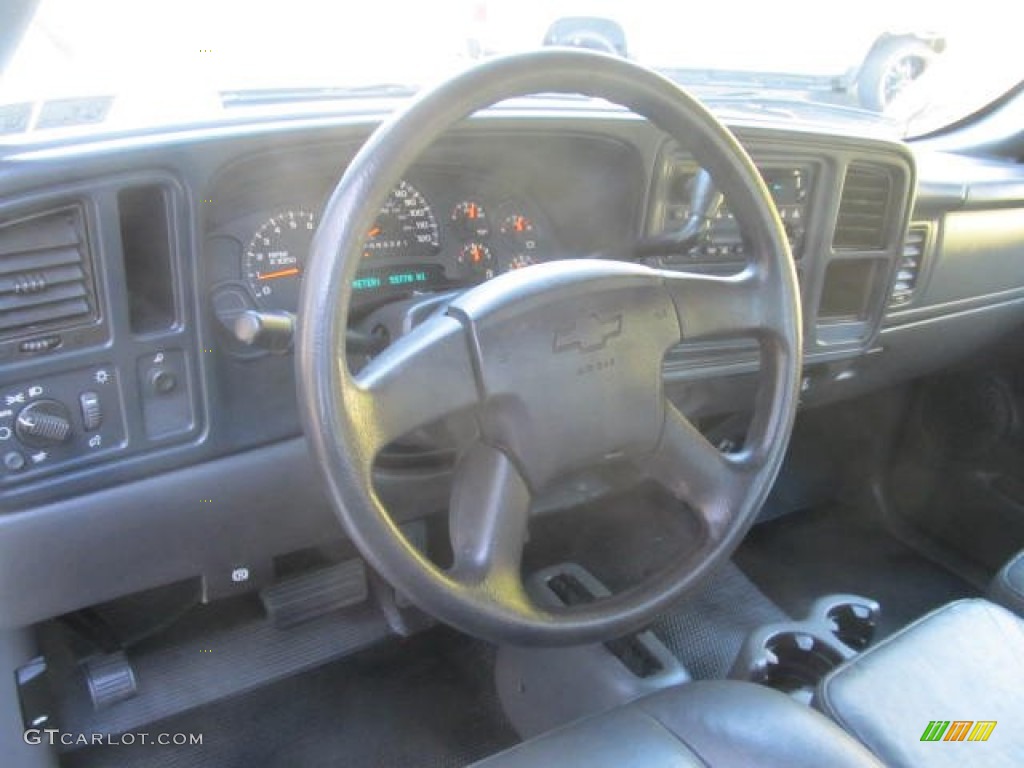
(559, 364)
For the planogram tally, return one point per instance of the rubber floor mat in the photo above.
(706, 630)
(798, 558)
(427, 702)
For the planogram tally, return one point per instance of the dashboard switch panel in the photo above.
(55, 422)
(166, 400)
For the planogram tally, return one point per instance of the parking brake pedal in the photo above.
(110, 679)
(314, 594)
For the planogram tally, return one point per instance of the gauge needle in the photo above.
(290, 272)
(374, 232)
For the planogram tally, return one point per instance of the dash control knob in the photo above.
(162, 381)
(43, 423)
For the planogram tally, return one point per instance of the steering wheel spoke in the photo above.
(710, 306)
(424, 376)
(488, 519)
(695, 471)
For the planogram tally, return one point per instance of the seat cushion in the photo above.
(962, 663)
(1007, 587)
(721, 723)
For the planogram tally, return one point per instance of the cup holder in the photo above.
(793, 656)
(853, 624)
(794, 661)
(851, 619)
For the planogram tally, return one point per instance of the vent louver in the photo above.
(909, 267)
(45, 281)
(863, 210)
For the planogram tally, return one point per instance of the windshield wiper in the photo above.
(249, 97)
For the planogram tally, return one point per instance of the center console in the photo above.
(845, 207)
(790, 185)
(793, 656)
(543, 688)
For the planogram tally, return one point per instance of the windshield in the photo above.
(101, 65)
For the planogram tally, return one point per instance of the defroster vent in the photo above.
(45, 280)
(863, 209)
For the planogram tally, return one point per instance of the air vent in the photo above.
(44, 273)
(863, 210)
(909, 267)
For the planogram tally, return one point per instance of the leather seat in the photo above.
(721, 723)
(1007, 587)
(960, 664)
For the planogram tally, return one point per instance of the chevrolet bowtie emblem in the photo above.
(588, 334)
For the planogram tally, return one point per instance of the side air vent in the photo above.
(863, 209)
(909, 267)
(45, 282)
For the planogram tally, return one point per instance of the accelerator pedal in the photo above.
(308, 596)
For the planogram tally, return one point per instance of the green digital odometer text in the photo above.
(407, 278)
(366, 283)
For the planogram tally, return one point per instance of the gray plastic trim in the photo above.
(206, 519)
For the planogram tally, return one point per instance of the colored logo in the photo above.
(958, 730)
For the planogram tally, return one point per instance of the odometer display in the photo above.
(405, 227)
(274, 259)
(416, 277)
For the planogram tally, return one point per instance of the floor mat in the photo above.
(800, 557)
(626, 538)
(706, 630)
(426, 702)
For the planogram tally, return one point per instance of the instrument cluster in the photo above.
(434, 232)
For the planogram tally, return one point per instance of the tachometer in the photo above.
(275, 256)
(405, 226)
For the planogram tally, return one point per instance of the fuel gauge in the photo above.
(477, 259)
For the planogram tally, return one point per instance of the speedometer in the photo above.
(274, 259)
(405, 226)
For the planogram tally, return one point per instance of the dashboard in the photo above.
(230, 237)
(126, 399)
